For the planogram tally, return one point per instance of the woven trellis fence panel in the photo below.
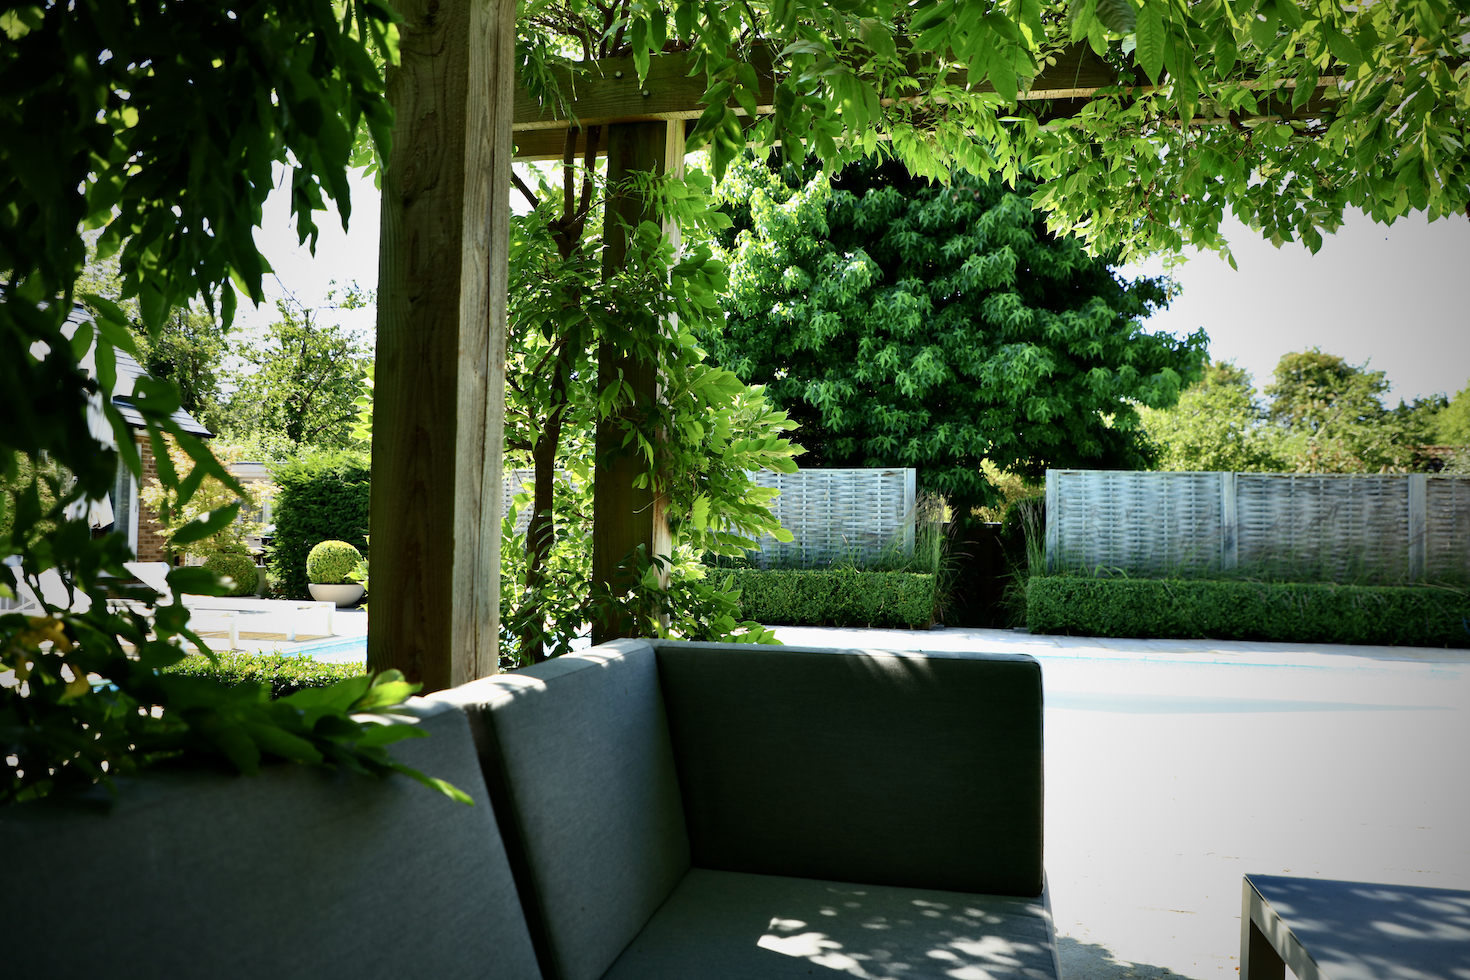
(1306, 527)
(1115, 520)
(1326, 528)
(1447, 530)
(831, 514)
(838, 514)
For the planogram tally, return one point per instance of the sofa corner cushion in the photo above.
(896, 769)
(294, 872)
(722, 925)
(577, 751)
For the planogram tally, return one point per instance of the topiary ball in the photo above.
(239, 567)
(329, 562)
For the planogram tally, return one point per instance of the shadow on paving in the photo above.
(1089, 961)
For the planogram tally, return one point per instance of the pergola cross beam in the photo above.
(608, 91)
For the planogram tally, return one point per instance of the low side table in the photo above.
(1352, 930)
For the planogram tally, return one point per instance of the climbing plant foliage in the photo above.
(159, 125)
(1285, 112)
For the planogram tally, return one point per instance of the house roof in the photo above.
(128, 373)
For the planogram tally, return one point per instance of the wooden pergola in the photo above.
(439, 398)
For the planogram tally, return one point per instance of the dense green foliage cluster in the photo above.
(330, 562)
(695, 446)
(240, 568)
(904, 323)
(156, 126)
(1285, 112)
(836, 597)
(1235, 610)
(1320, 415)
(284, 675)
(320, 497)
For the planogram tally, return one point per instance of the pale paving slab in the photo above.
(1175, 767)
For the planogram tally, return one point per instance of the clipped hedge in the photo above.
(839, 597)
(1233, 610)
(322, 497)
(285, 674)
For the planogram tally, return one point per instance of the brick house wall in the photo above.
(150, 532)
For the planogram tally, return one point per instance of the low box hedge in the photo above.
(1235, 610)
(284, 673)
(835, 597)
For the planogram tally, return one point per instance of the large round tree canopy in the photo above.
(907, 323)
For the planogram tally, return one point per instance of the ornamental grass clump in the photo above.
(330, 562)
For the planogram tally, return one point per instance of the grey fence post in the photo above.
(910, 500)
(1418, 524)
(1229, 550)
(1053, 520)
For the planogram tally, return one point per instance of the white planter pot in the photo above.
(343, 595)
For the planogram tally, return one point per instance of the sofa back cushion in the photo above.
(577, 754)
(296, 872)
(916, 770)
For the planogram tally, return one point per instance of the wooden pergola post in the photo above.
(439, 388)
(624, 516)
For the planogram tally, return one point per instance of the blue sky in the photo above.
(1396, 297)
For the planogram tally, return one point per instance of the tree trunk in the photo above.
(541, 531)
(438, 415)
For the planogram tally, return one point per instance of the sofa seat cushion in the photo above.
(727, 925)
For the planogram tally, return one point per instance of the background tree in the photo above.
(904, 323)
(301, 381)
(1325, 416)
(1332, 418)
(1452, 426)
(190, 349)
(212, 495)
(1218, 424)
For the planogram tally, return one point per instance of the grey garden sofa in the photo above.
(660, 810)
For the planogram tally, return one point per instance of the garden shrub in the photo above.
(330, 562)
(321, 497)
(836, 597)
(1236, 610)
(285, 674)
(239, 567)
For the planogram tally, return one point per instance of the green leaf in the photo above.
(1150, 51)
(386, 692)
(1117, 16)
(438, 785)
